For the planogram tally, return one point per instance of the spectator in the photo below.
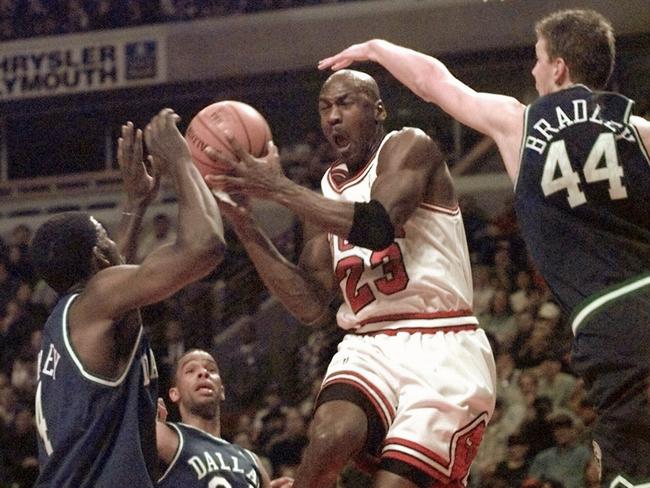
(555, 384)
(538, 430)
(499, 319)
(483, 289)
(514, 469)
(566, 461)
(285, 451)
(161, 232)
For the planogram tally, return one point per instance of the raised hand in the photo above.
(258, 177)
(163, 139)
(141, 187)
(356, 52)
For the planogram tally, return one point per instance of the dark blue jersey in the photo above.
(93, 432)
(582, 198)
(205, 461)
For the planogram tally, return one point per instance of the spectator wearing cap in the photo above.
(567, 460)
(554, 383)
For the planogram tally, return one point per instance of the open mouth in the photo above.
(205, 389)
(341, 141)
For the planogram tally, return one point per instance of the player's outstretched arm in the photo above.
(140, 188)
(199, 244)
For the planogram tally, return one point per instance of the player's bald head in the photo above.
(355, 80)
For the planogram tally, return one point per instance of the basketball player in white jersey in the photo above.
(412, 386)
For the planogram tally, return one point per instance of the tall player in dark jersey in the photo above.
(579, 162)
(96, 397)
(193, 452)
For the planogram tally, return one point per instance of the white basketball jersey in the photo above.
(421, 280)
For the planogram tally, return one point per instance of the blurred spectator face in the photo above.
(243, 439)
(500, 302)
(173, 331)
(564, 435)
(525, 321)
(528, 383)
(517, 449)
(550, 367)
(523, 280)
(24, 421)
(505, 364)
(24, 292)
(294, 422)
(244, 423)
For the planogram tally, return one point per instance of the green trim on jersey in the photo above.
(596, 303)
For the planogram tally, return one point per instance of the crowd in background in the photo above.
(31, 18)
(539, 435)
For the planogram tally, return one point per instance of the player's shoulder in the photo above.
(410, 137)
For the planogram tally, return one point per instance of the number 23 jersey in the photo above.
(423, 279)
(582, 193)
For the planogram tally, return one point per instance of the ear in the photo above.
(223, 393)
(380, 111)
(100, 258)
(561, 74)
(174, 395)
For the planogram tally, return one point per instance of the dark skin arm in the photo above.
(140, 188)
(305, 289)
(411, 170)
(103, 320)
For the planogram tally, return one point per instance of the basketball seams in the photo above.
(235, 111)
(221, 140)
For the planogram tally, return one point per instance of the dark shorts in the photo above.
(611, 352)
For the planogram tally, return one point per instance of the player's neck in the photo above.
(212, 426)
(354, 167)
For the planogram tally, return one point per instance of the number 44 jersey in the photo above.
(582, 194)
(422, 280)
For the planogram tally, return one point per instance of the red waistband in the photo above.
(421, 330)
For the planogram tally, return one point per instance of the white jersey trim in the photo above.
(177, 454)
(79, 364)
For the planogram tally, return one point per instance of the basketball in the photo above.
(207, 127)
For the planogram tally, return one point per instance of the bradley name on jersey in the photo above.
(579, 115)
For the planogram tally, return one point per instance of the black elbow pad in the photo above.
(371, 226)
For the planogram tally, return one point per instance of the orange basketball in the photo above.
(207, 127)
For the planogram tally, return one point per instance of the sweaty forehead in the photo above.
(346, 83)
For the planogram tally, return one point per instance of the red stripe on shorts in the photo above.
(334, 378)
(421, 330)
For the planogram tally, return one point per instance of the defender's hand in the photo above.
(164, 141)
(356, 52)
(140, 185)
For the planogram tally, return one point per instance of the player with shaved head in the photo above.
(410, 391)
